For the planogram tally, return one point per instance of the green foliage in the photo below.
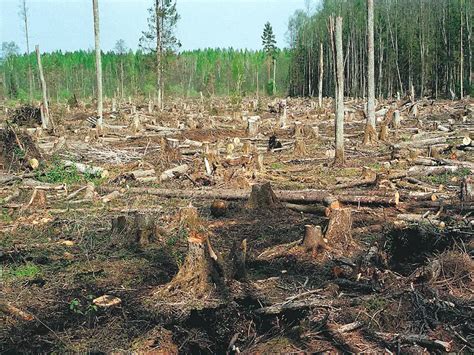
(268, 40)
(270, 87)
(4, 215)
(444, 179)
(419, 48)
(26, 271)
(89, 308)
(210, 71)
(57, 173)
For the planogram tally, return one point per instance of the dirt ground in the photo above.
(399, 285)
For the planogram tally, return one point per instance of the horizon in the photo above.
(200, 26)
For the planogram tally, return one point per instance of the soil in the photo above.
(57, 259)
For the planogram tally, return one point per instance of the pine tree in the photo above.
(160, 37)
(270, 48)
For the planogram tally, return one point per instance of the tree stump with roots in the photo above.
(263, 197)
(201, 276)
(370, 136)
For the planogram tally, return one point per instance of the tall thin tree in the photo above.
(24, 17)
(339, 157)
(45, 119)
(370, 135)
(98, 62)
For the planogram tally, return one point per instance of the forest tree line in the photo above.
(420, 45)
(127, 73)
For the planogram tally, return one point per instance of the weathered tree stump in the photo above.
(119, 224)
(383, 135)
(263, 197)
(370, 136)
(252, 126)
(467, 189)
(219, 208)
(340, 227)
(238, 257)
(300, 148)
(313, 239)
(144, 229)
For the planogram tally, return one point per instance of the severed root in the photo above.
(311, 243)
(263, 197)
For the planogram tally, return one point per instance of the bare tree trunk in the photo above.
(339, 158)
(158, 52)
(45, 110)
(98, 62)
(274, 76)
(24, 15)
(461, 70)
(257, 87)
(371, 66)
(469, 45)
(321, 74)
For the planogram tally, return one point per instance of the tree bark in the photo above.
(45, 110)
(339, 158)
(321, 74)
(371, 66)
(158, 52)
(24, 14)
(98, 62)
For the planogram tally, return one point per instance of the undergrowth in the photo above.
(56, 172)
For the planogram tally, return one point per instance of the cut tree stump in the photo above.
(238, 257)
(313, 239)
(201, 275)
(340, 227)
(262, 197)
(300, 148)
(467, 189)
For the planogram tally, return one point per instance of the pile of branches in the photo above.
(27, 115)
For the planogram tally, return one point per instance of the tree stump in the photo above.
(467, 189)
(263, 197)
(313, 239)
(238, 257)
(383, 135)
(252, 126)
(298, 130)
(119, 224)
(144, 229)
(396, 119)
(38, 199)
(246, 148)
(340, 227)
(219, 208)
(260, 164)
(300, 148)
(370, 136)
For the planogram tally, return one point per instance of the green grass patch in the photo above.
(57, 173)
(26, 271)
(277, 166)
(4, 216)
(446, 178)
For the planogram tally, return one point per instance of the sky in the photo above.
(68, 24)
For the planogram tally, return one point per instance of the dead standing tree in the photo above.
(44, 108)
(24, 17)
(98, 62)
(370, 136)
(339, 157)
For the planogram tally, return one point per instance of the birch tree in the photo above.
(24, 17)
(339, 157)
(370, 136)
(45, 122)
(98, 62)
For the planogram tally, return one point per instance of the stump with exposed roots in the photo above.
(370, 136)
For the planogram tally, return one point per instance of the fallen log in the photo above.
(417, 339)
(299, 197)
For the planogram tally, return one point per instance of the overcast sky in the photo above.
(67, 24)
